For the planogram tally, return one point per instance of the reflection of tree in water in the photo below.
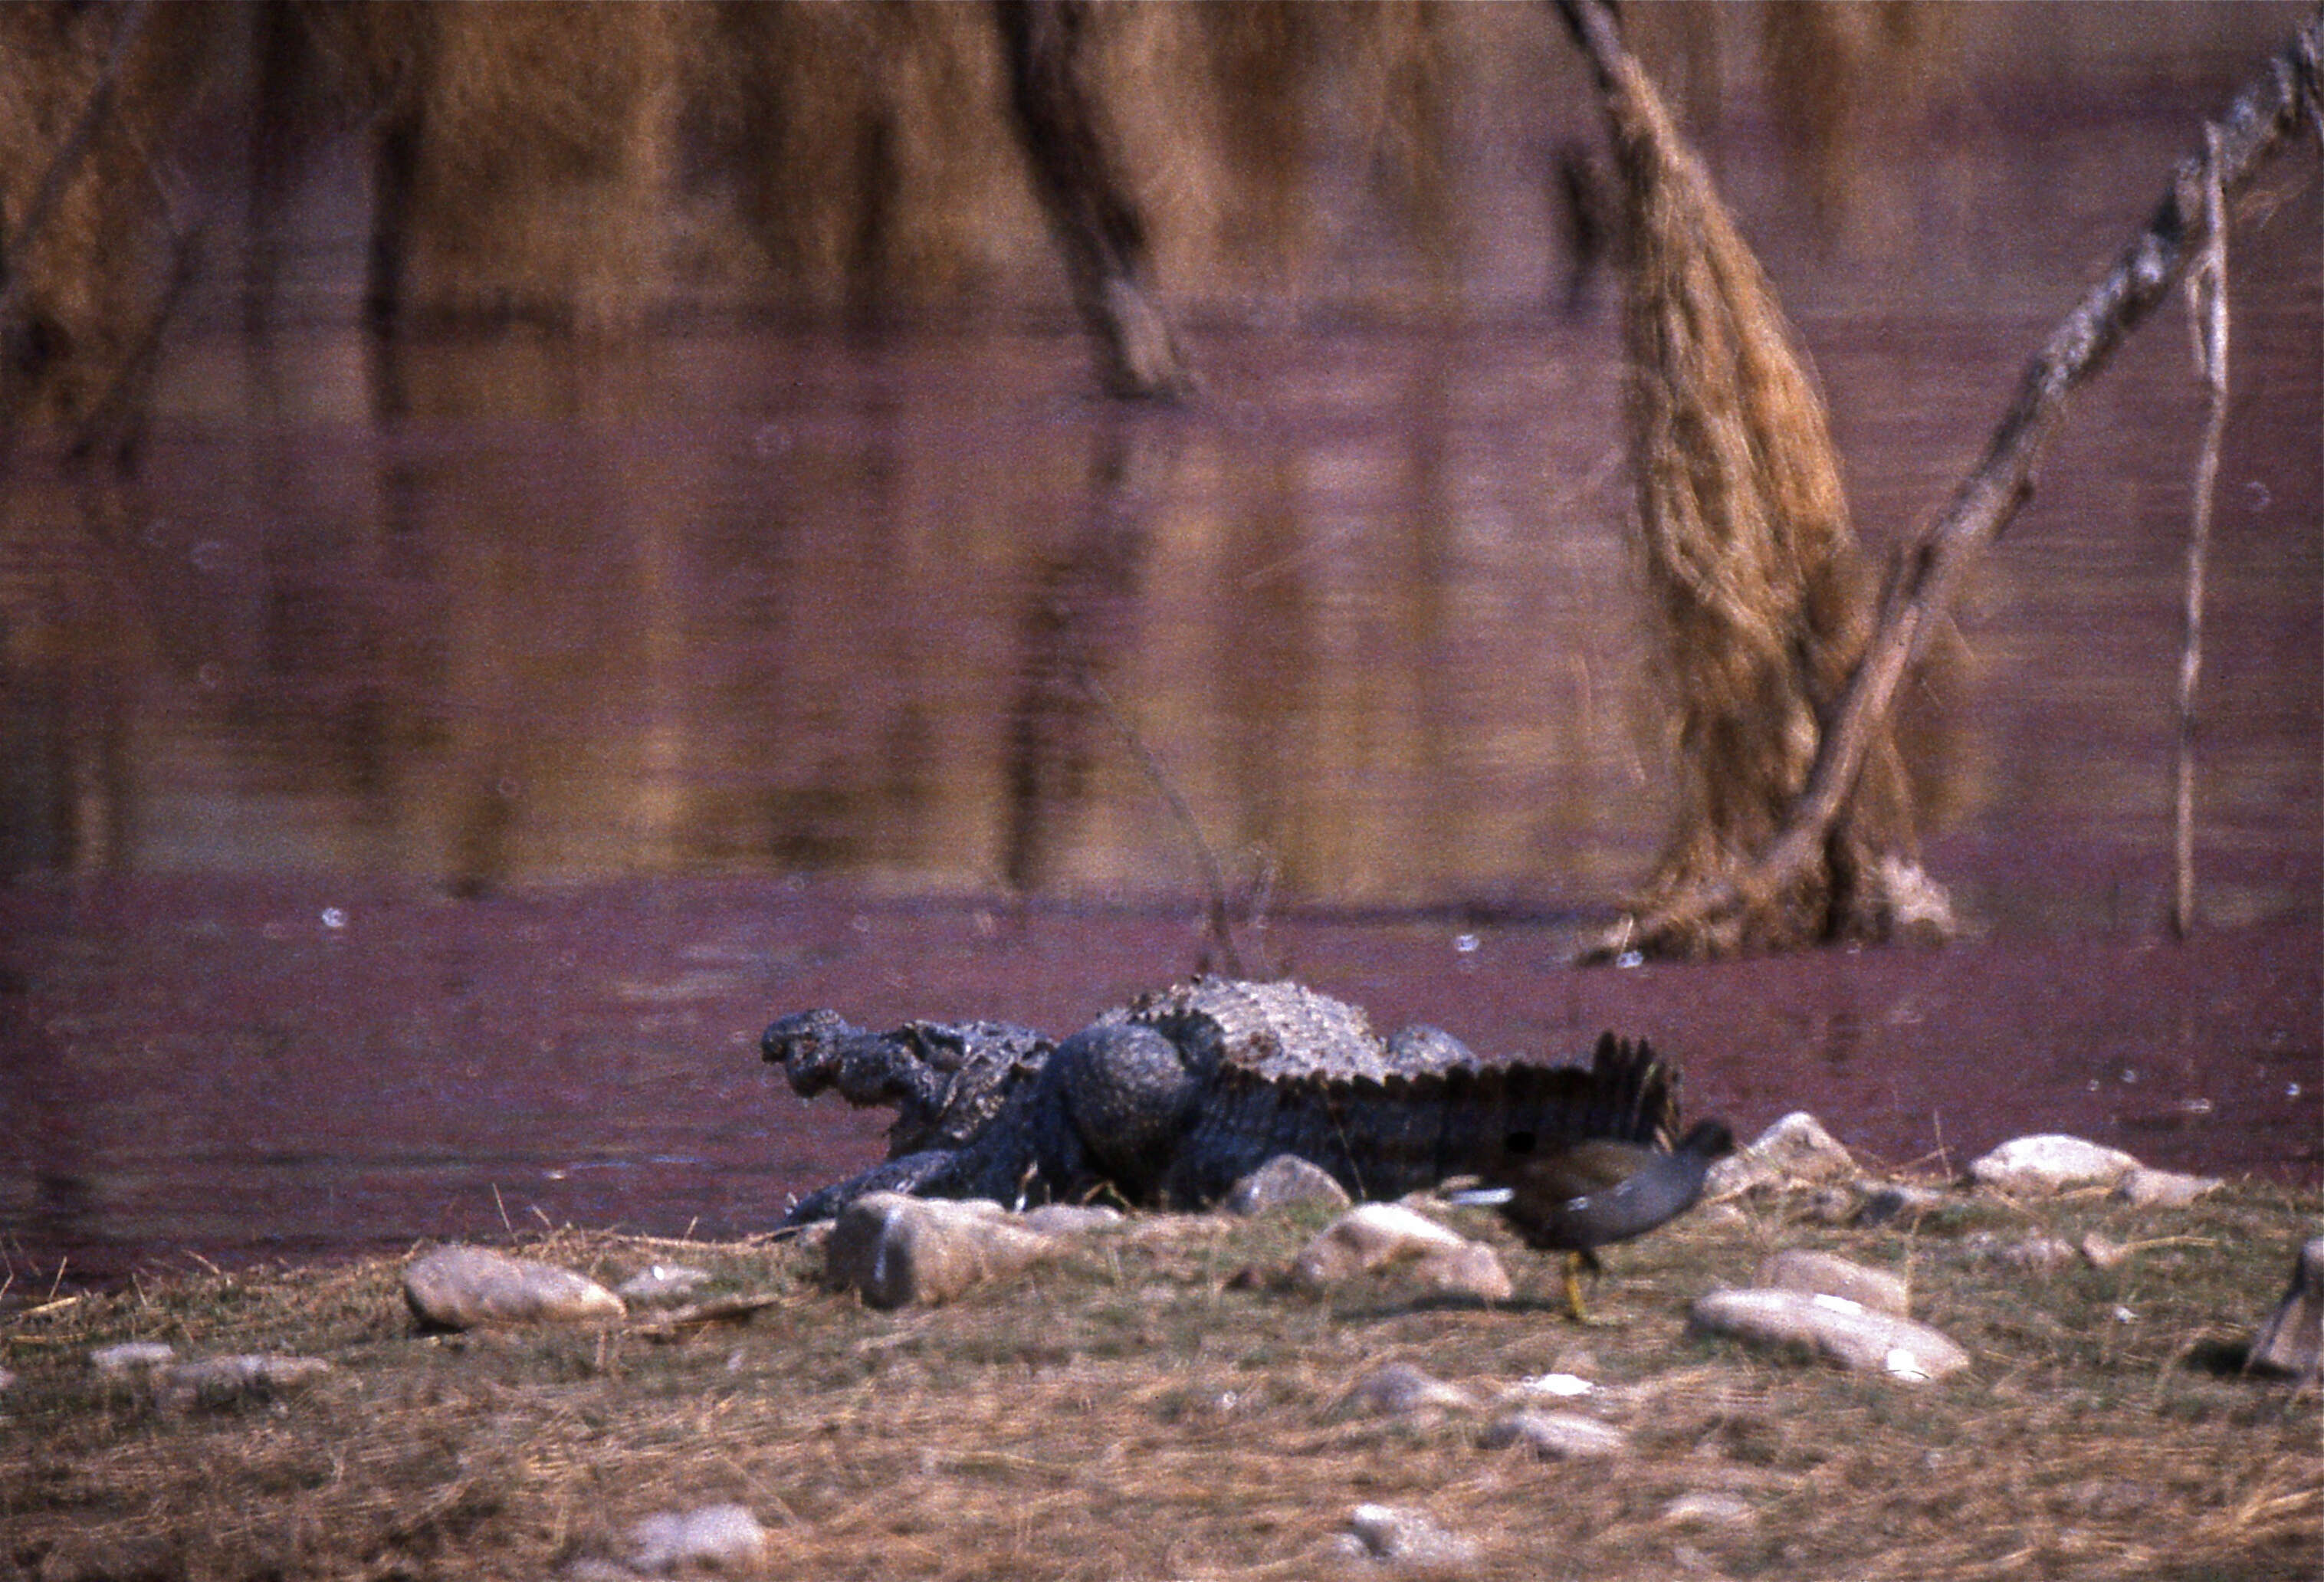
(1080, 622)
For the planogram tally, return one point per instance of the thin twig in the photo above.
(1217, 916)
(2206, 314)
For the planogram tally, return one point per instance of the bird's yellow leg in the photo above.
(1574, 1263)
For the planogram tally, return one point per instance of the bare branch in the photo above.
(2207, 316)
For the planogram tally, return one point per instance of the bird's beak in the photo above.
(1481, 1197)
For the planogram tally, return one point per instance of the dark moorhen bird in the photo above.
(1578, 1195)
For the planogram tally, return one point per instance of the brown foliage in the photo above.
(1755, 581)
(82, 206)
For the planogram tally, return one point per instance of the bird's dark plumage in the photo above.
(1577, 1194)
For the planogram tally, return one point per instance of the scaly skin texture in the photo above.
(1171, 1099)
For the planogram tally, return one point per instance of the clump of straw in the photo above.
(1758, 589)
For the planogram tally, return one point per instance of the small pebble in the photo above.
(1389, 1532)
(1554, 1435)
(1710, 1508)
(717, 1538)
(658, 1282)
(1397, 1388)
(131, 1357)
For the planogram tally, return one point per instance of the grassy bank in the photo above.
(1132, 1409)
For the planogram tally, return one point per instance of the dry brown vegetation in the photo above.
(600, 166)
(1127, 1411)
(1759, 594)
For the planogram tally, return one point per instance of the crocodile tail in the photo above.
(1484, 1116)
(1635, 1093)
(1384, 1138)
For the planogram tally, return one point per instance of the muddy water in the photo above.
(427, 771)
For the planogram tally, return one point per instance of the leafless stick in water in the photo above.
(2207, 316)
(1218, 918)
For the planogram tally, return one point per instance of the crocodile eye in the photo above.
(1518, 1143)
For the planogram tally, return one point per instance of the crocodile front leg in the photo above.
(912, 1172)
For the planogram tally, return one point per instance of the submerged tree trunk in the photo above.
(1753, 892)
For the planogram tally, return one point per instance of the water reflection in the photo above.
(776, 603)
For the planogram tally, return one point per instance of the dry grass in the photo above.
(1126, 1413)
(1758, 591)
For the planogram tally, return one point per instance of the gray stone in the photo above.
(597, 1568)
(1800, 1269)
(724, 1539)
(131, 1357)
(1397, 1388)
(468, 1287)
(2039, 1255)
(2163, 1189)
(658, 1283)
(1069, 1219)
(2292, 1339)
(229, 1381)
(1286, 1181)
(1710, 1508)
(2049, 1161)
(1408, 1537)
(1897, 1200)
(897, 1249)
(1795, 1151)
(1554, 1435)
(1834, 1328)
(1373, 1236)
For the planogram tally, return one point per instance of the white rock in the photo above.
(897, 1249)
(660, 1283)
(1554, 1435)
(223, 1380)
(1710, 1508)
(596, 1569)
(1833, 1328)
(131, 1357)
(2163, 1189)
(1801, 1269)
(726, 1539)
(2037, 1254)
(1378, 1235)
(2050, 1163)
(1390, 1533)
(1284, 1182)
(1397, 1388)
(1069, 1219)
(468, 1287)
(1566, 1386)
(1795, 1150)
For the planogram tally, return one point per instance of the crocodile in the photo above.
(1169, 1101)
